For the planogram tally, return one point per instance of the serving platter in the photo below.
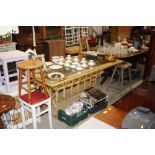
(55, 76)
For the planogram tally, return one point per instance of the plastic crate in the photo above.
(100, 98)
(73, 120)
(98, 106)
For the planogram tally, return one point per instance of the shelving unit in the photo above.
(76, 31)
(72, 34)
(84, 31)
(69, 35)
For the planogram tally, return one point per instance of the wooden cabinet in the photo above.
(42, 33)
(51, 32)
(54, 48)
(120, 31)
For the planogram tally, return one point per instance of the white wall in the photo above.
(98, 29)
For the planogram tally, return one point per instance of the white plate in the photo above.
(55, 57)
(84, 65)
(79, 68)
(55, 67)
(48, 63)
(91, 64)
(56, 76)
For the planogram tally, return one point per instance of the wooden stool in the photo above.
(122, 67)
(33, 99)
(6, 103)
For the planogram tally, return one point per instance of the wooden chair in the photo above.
(34, 99)
(84, 46)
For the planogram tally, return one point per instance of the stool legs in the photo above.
(43, 81)
(130, 78)
(122, 79)
(38, 111)
(50, 115)
(112, 77)
(36, 114)
(6, 75)
(34, 119)
(20, 82)
(29, 85)
(23, 115)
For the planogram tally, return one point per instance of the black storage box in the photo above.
(73, 120)
(135, 73)
(101, 100)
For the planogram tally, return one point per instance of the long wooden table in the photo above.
(127, 56)
(86, 77)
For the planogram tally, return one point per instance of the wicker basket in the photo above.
(110, 57)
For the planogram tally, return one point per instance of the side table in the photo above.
(6, 103)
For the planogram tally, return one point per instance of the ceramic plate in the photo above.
(56, 76)
(55, 57)
(91, 64)
(79, 68)
(55, 67)
(48, 63)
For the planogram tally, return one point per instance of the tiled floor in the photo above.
(113, 94)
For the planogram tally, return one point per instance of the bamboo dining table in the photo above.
(86, 77)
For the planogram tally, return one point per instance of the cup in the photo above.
(68, 57)
(75, 59)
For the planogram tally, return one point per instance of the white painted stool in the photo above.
(34, 99)
(34, 108)
(7, 57)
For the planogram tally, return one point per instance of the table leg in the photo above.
(6, 75)
(1, 123)
(57, 100)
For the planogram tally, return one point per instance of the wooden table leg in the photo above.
(57, 99)
(1, 123)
